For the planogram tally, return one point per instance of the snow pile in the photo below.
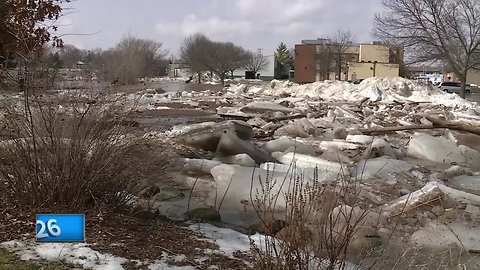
(375, 89)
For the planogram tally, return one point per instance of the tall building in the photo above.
(320, 59)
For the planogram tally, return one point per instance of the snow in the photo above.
(71, 253)
(228, 240)
(375, 89)
(161, 265)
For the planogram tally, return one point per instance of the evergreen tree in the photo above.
(283, 55)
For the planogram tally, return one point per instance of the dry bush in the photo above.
(320, 221)
(67, 157)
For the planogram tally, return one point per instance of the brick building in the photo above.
(316, 60)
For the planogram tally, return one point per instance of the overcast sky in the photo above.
(251, 24)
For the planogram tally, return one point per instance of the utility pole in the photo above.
(374, 68)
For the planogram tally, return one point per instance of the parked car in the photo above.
(454, 87)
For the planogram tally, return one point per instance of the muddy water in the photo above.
(170, 87)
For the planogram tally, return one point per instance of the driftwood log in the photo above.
(436, 123)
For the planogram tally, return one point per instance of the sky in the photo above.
(252, 24)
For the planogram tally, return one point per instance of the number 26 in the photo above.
(52, 228)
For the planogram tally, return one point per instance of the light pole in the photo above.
(374, 68)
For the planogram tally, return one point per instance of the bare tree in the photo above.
(445, 31)
(225, 57)
(70, 55)
(221, 58)
(195, 52)
(324, 62)
(340, 43)
(256, 62)
(133, 58)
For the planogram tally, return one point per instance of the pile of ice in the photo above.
(375, 89)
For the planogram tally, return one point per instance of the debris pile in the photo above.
(412, 149)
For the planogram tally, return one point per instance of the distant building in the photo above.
(266, 74)
(175, 70)
(79, 64)
(314, 61)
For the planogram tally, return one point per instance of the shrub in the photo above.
(63, 157)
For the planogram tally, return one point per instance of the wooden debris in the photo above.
(437, 123)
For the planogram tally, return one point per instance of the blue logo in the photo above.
(60, 228)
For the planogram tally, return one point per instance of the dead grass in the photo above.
(320, 222)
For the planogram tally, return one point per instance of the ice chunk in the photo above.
(257, 122)
(235, 183)
(472, 156)
(470, 184)
(380, 148)
(326, 169)
(231, 144)
(428, 193)
(199, 165)
(338, 144)
(283, 168)
(260, 107)
(424, 146)
(450, 173)
(336, 156)
(362, 139)
(438, 235)
(207, 137)
(182, 129)
(240, 159)
(470, 140)
(380, 167)
(299, 128)
(373, 93)
(284, 143)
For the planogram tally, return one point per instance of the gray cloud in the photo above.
(249, 23)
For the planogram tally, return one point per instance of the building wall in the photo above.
(370, 52)
(358, 71)
(387, 70)
(360, 58)
(473, 77)
(305, 66)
